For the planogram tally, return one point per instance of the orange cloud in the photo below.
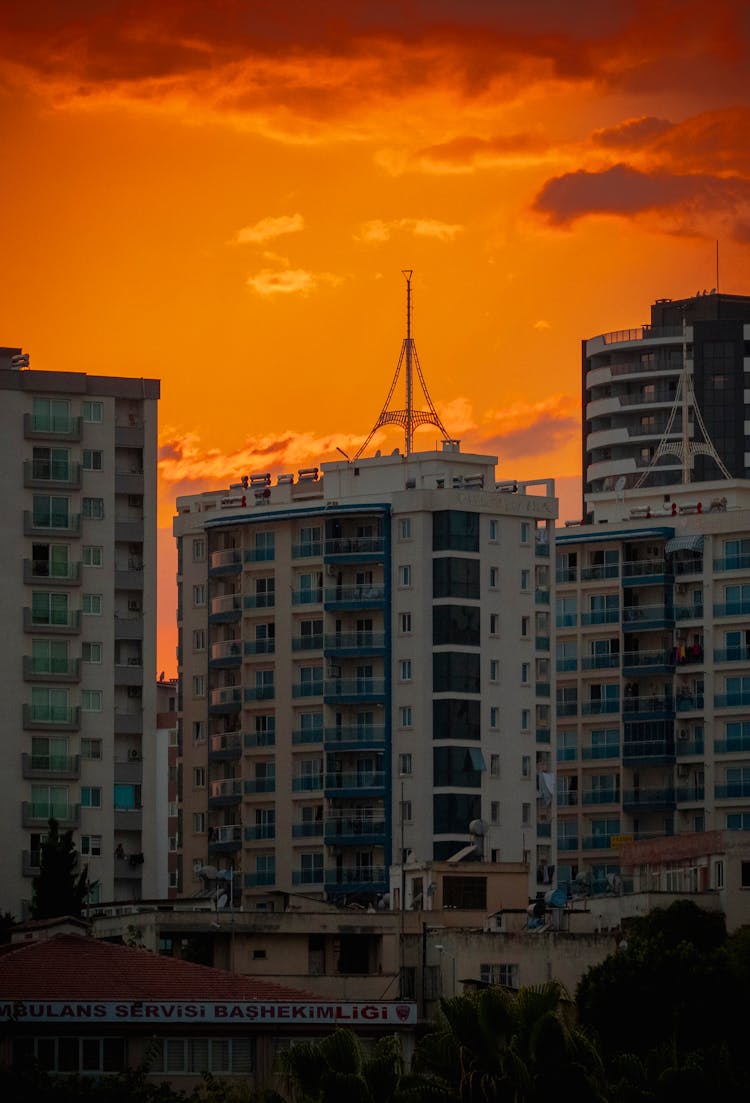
(268, 228)
(288, 281)
(377, 231)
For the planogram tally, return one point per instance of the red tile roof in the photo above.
(73, 967)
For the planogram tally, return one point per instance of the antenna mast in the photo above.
(409, 419)
(686, 449)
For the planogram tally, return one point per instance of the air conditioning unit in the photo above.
(684, 733)
(134, 691)
(134, 754)
(134, 605)
(683, 771)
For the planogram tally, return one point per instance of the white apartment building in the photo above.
(78, 600)
(652, 669)
(364, 659)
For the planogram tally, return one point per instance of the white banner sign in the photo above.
(164, 1011)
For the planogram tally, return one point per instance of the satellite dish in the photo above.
(478, 827)
(209, 873)
(222, 901)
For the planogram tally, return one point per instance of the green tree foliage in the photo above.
(494, 1045)
(338, 1070)
(59, 888)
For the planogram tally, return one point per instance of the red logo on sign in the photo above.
(402, 1012)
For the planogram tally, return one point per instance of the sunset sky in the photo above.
(222, 194)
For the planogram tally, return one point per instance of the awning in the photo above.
(683, 543)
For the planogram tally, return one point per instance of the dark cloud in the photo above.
(622, 190)
(547, 433)
(632, 132)
(469, 149)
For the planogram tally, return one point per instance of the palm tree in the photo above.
(337, 1070)
(495, 1045)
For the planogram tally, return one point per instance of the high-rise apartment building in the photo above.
(630, 383)
(78, 597)
(652, 674)
(364, 657)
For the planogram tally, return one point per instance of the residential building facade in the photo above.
(364, 669)
(78, 594)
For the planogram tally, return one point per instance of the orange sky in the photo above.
(222, 194)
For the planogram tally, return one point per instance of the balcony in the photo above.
(260, 601)
(260, 647)
(50, 767)
(42, 573)
(738, 562)
(310, 549)
(68, 526)
(355, 597)
(130, 436)
(51, 718)
(689, 612)
(685, 746)
(226, 792)
(354, 643)
(567, 754)
(357, 879)
(128, 628)
(310, 595)
(601, 707)
(738, 654)
(307, 876)
(654, 707)
(691, 794)
(541, 643)
(566, 666)
(129, 482)
(600, 796)
(600, 662)
(59, 623)
(648, 752)
(597, 842)
(129, 869)
(567, 842)
(541, 595)
(542, 689)
(255, 785)
(225, 655)
(128, 723)
(738, 698)
(566, 620)
(350, 737)
(566, 574)
(307, 783)
(739, 608)
(129, 674)
(52, 427)
(688, 702)
(635, 663)
(226, 747)
(128, 531)
(36, 814)
(308, 829)
(225, 609)
(601, 750)
(307, 643)
(260, 555)
(30, 863)
(544, 830)
(361, 783)
(567, 708)
(639, 618)
(253, 740)
(225, 701)
(308, 689)
(259, 693)
(600, 616)
(649, 800)
(599, 571)
(258, 880)
(259, 831)
(355, 549)
(354, 689)
(644, 572)
(355, 831)
(225, 562)
(733, 790)
(738, 744)
(37, 669)
(567, 798)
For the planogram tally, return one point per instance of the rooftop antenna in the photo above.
(686, 448)
(409, 419)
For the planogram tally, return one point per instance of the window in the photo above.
(525, 529)
(199, 595)
(199, 731)
(49, 657)
(405, 812)
(91, 846)
(525, 815)
(494, 624)
(525, 720)
(91, 748)
(456, 624)
(494, 577)
(265, 546)
(49, 512)
(455, 530)
(199, 823)
(405, 716)
(404, 622)
(493, 529)
(456, 672)
(91, 700)
(745, 875)
(92, 509)
(405, 670)
(199, 777)
(494, 716)
(525, 667)
(51, 561)
(525, 765)
(507, 975)
(189, 1056)
(199, 639)
(51, 414)
(93, 556)
(404, 764)
(92, 605)
(199, 685)
(199, 550)
(404, 575)
(454, 577)
(404, 528)
(92, 411)
(49, 609)
(525, 579)
(91, 796)
(494, 765)
(495, 812)
(92, 459)
(494, 670)
(525, 626)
